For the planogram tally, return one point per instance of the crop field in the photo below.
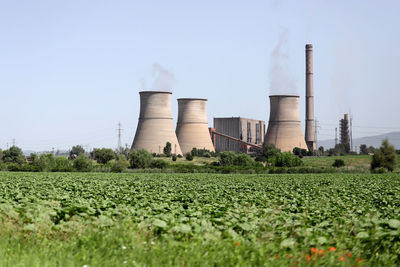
(102, 219)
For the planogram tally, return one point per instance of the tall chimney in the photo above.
(309, 135)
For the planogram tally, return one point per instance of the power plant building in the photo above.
(243, 129)
(155, 127)
(192, 126)
(284, 128)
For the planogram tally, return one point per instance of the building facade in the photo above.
(247, 130)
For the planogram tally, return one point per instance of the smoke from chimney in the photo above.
(281, 80)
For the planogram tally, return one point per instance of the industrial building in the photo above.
(155, 127)
(192, 126)
(344, 130)
(244, 133)
(284, 128)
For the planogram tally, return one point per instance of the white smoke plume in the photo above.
(164, 79)
(280, 78)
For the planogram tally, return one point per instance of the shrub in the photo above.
(82, 163)
(103, 155)
(243, 160)
(189, 156)
(62, 164)
(13, 155)
(140, 159)
(286, 159)
(167, 149)
(174, 157)
(385, 157)
(338, 163)
(180, 156)
(120, 165)
(76, 151)
(159, 164)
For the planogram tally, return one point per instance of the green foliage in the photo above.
(62, 164)
(189, 156)
(174, 157)
(202, 153)
(120, 165)
(384, 157)
(300, 151)
(364, 150)
(82, 163)
(159, 164)
(13, 155)
(338, 163)
(286, 159)
(167, 149)
(140, 159)
(76, 151)
(243, 160)
(1, 156)
(103, 155)
(100, 219)
(227, 158)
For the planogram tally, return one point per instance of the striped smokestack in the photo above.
(309, 135)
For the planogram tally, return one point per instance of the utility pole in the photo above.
(351, 131)
(336, 137)
(119, 148)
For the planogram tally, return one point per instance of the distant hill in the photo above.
(375, 141)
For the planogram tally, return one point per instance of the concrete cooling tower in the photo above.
(284, 129)
(192, 127)
(155, 127)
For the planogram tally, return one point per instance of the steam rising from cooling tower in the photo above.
(155, 127)
(284, 128)
(309, 134)
(192, 127)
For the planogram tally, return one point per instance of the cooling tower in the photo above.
(309, 135)
(155, 127)
(192, 127)
(284, 129)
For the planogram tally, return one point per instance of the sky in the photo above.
(70, 71)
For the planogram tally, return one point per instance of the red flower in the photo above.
(314, 250)
(332, 249)
(341, 258)
(236, 244)
(276, 256)
(348, 254)
(358, 259)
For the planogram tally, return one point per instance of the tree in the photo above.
(384, 157)
(189, 156)
(338, 163)
(76, 151)
(167, 149)
(1, 155)
(363, 149)
(140, 159)
(14, 155)
(103, 155)
(82, 163)
(120, 164)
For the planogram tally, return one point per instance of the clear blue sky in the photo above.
(71, 70)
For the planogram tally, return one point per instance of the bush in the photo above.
(13, 155)
(174, 158)
(180, 156)
(103, 155)
(286, 159)
(167, 149)
(76, 151)
(243, 160)
(384, 157)
(140, 159)
(189, 156)
(159, 164)
(82, 163)
(120, 165)
(227, 158)
(62, 164)
(338, 163)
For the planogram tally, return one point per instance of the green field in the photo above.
(101, 219)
